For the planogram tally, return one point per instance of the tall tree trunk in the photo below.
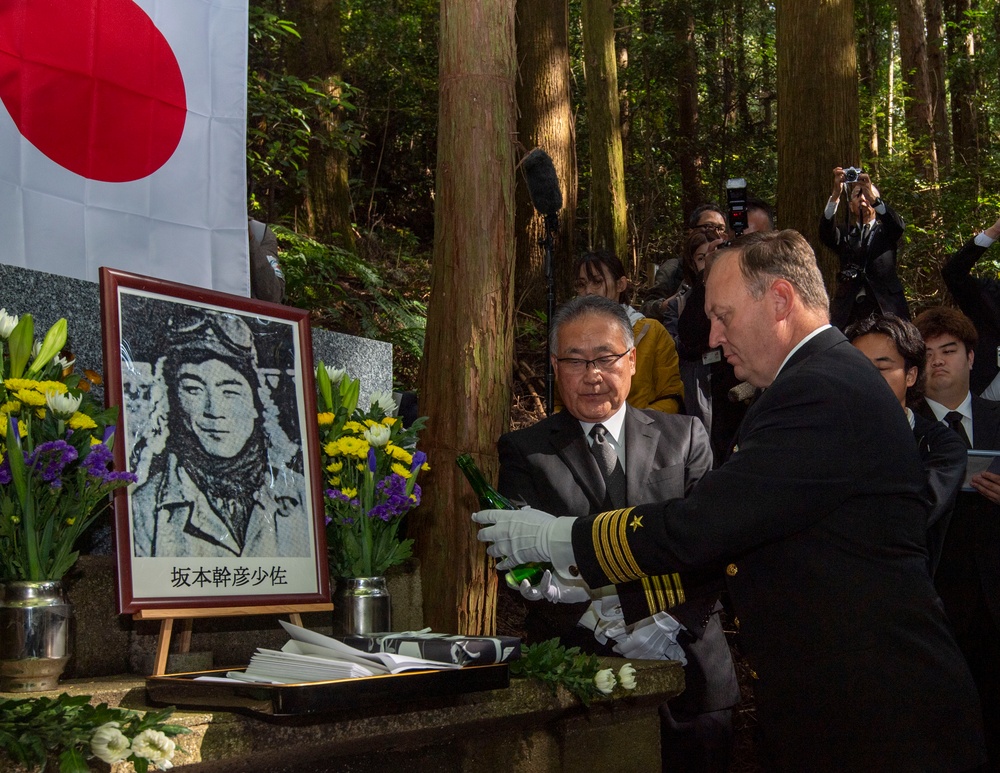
(465, 377)
(680, 18)
(813, 59)
(936, 77)
(545, 120)
(962, 80)
(917, 107)
(607, 170)
(868, 86)
(328, 196)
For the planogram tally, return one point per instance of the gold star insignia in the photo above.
(636, 522)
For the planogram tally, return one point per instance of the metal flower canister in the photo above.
(55, 479)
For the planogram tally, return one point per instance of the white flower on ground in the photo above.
(7, 323)
(109, 744)
(377, 435)
(383, 400)
(155, 747)
(605, 681)
(336, 374)
(63, 406)
(626, 676)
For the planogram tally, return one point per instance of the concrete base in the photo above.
(523, 729)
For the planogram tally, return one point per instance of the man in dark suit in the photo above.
(979, 298)
(555, 466)
(867, 280)
(823, 529)
(968, 577)
(896, 348)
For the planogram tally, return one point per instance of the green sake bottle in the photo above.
(491, 499)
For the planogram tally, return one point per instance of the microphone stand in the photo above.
(551, 226)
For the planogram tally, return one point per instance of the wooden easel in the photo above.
(186, 618)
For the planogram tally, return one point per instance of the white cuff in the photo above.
(561, 547)
(831, 208)
(880, 207)
(982, 240)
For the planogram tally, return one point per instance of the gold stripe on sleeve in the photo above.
(611, 547)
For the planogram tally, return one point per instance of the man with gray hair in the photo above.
(600, 453)
(820, 531)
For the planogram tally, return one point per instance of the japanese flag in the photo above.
(122, 138)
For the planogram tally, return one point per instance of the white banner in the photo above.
(123, 138)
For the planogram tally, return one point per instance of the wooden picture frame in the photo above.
(217, 409)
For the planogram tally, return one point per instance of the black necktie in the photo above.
(611, 469)
(954, 420)
(864, 234)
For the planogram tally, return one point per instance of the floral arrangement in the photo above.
(371, 462)
(554, 664)
(70, 729)
(55, 445)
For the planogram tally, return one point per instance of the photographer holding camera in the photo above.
(867, 282)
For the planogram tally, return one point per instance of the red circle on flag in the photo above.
(92, 84)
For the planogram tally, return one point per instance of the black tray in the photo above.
(315, 697)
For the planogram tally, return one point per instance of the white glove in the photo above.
(518, 536)
(654, 638)
(552, 588)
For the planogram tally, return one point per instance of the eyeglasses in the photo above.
(579, 365)
(717, 227)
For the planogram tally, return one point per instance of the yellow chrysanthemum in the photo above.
(425, 467)
(50, 386)
(325, 419)
(390, 420)
(335, 481)
(81, 421)
(350, 493)
(40, 413)
(15, 384)
(335, 467)
(330, 449)
(361, 467)
(400, 454)
(94, 441)
(30, 397)
(11, 406)
(355, 427)
(401, 470)
(22, 428)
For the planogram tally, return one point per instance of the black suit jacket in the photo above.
(968, 574)
(876, 260)
(825, 534)
(979, 300)
(549, 466)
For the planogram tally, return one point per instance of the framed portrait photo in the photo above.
(217, 421)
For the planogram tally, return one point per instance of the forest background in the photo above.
(384, 137)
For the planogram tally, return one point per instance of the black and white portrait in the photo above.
(213, 432)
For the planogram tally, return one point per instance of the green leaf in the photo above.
(323, 384)
(53, 343)
(72, 761)
(20, 343)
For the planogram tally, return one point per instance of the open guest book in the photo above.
(311, 657)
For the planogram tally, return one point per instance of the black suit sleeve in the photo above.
(957, 275)
(892, 225)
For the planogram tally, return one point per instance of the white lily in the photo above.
(336, 374)
(377, 435)
(605, 681)
(62, 405)
(109, 744)
(383, 400)
(626, 676)
(154, 746)
(7, 323)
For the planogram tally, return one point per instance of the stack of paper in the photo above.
(312, 657)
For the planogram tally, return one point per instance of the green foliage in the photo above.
(35, 730)
(554, 665)
(288, 117)
(349, 294)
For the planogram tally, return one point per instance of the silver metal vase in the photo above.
(34, 635)
(361, 605)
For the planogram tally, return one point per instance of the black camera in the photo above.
(851, 174)
(736, 202)
(849, 272)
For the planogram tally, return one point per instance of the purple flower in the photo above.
(372, 461)
(419, 457)
(51, 459)
(340, 496)
(5, 475)
(98, 462)
(394, 501)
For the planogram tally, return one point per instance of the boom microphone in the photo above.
(543, 183)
